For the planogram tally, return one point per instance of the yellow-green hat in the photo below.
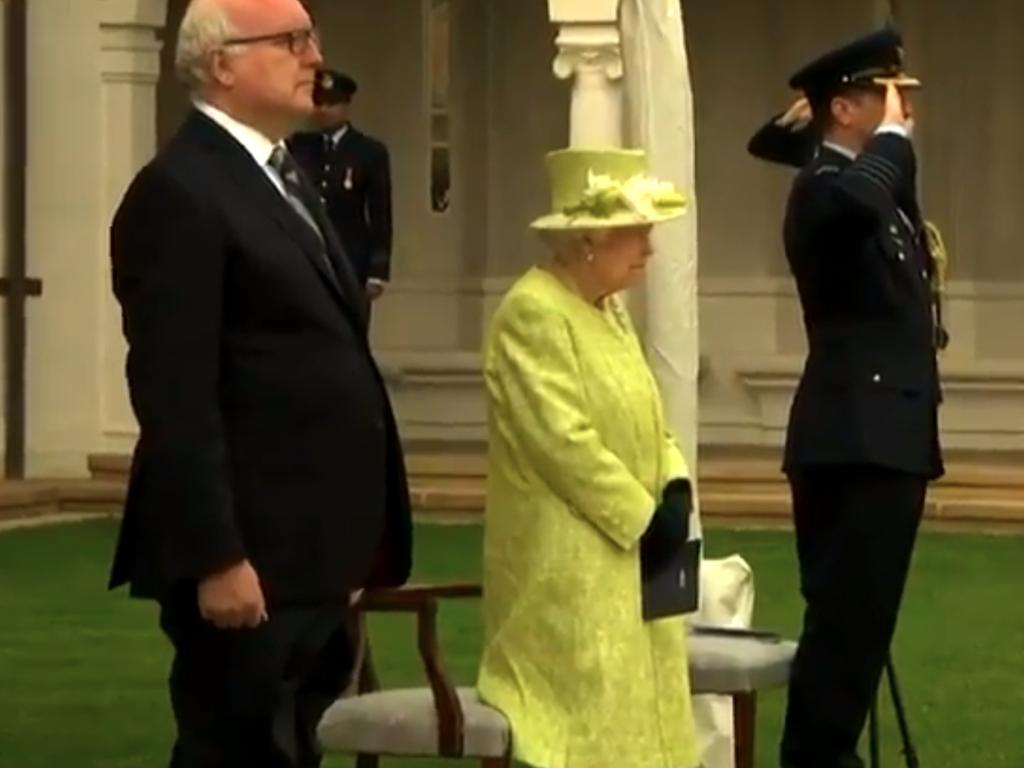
(603, 188)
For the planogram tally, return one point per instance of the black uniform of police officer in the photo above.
(862, 440)
(352, 173)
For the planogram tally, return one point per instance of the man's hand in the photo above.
(797, 117)
(897, 109)
(233, 598)
(374, 289)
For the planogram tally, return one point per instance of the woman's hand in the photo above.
(669, 527)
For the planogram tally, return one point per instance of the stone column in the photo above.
(589, 51)
(660, 120)
(92, 68)
(129, 76)
(4, 118)
(4, 224)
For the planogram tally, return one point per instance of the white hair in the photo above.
(205, 26)
(569, 245)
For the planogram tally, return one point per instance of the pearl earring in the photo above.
(590, 257)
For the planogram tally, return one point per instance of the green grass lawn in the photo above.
(82, 671)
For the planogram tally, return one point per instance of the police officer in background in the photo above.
(862, 441)
(352, 173)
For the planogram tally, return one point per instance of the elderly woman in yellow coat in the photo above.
(583, 474)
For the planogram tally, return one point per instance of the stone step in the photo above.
(988, 507)
(971, 470)
(978, 469)
(737, 487)
(109, 466)
(20, 499)
(967, 470)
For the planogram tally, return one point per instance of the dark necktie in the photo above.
(288, 171)
(298, 197)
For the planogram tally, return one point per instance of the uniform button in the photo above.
(893, 229)
(924, 274)
(902, 256)
(877, 378)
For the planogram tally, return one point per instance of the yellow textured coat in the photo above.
(578, 451)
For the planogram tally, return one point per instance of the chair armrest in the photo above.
(412, 596)
(421, 599)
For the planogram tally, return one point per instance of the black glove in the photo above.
(669, 528)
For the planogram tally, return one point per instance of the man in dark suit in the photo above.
(862, 441)
(353, 175)
(267, 487)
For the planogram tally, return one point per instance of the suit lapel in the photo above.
(254, 182)
(346, 277)
(255, 179)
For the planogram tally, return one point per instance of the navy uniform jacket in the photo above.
(354, 179)
(869, 391)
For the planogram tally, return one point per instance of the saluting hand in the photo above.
(797, 117)
(897, 109)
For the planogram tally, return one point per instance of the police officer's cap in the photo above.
(333, 87)
(869, 61)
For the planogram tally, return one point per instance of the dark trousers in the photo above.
(252, 698)
(855, 532)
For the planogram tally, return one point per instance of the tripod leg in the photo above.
(901, 716)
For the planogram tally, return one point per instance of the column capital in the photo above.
(590, 54)
(151, 14)
(583, 11)
(130, 42)
(594, 48)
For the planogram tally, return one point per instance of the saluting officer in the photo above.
(862, 441)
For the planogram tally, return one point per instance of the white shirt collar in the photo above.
(844, 151)
(255, 143)
(336, 136)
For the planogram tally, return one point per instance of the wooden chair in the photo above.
(437, 721)
(444, 721)
(739, 666)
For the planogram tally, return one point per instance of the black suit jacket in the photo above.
(869, 392)
(265, 429)
(353, 178)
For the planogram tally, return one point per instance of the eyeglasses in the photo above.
(298, 41)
